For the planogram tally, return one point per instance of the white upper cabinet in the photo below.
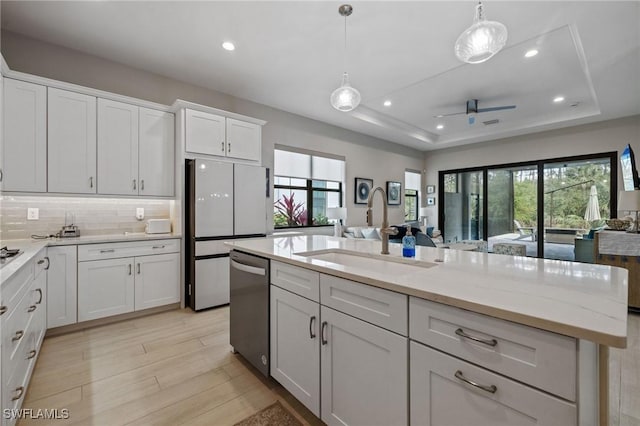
(221, 136)
(24, 150)
(156, 147)
(205, 133)
(72, 142)
(243, 140)
(117, 148)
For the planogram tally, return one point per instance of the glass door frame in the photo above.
(540, 164)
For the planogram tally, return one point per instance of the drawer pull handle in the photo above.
(40, 262)
(323, 340)
(32, 354)
(138, 268)
(20, 391)
(18, 335)
(158, 247)
(490, 389)
(460, 332)
(39, 290)
(129, 269)
(312, 335)
(142, 184)
(31, 308)
(46, 268)
(3, 309)
(107, 251)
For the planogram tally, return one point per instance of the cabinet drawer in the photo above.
(126, 249)
(16, 333)
(297, 280)
(375, 305)
(440, 395)
(14, 289)
(540, 358)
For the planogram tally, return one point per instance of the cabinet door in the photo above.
(24, 150)
(62, 303)
(295, 350)
(212, 282)
(117, 148)
(71, 153)
(157, 280)
(244, 140)
(440, 395)
(250, 196)
(205, 133)
(156, 153)
(364, 372)
(105, 288)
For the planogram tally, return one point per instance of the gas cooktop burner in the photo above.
(7, 255)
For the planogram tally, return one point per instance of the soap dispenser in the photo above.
(408, 244)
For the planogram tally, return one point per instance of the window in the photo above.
(305, 185)
(411, 193)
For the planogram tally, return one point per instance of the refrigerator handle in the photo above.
(246, 268)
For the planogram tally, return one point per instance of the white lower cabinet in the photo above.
(117, 286)
(62, 281)
(364, 372)
(105, 288)
(156, 280)
(345, 370)
(448, 391)
(295, 346)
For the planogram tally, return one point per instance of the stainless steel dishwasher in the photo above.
(249, 308)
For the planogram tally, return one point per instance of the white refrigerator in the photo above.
(225, 201)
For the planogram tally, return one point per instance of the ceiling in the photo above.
(289, 55)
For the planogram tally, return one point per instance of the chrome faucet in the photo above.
(385, 230)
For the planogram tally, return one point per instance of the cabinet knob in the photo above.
(31, 308)
(32, 354)
(129, 269)
(142, 184)
(229, 147)
(134, 184)
(18, 335)
(138, 269)
(222, 146)
(19, 391)
(90, 181)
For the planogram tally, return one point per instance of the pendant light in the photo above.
(345, 98)
(481, 40)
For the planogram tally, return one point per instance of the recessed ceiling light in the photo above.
(531, 53)
(558, 99)
(440, 126)
(227, 45)
(387, 103)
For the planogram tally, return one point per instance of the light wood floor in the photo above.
(176, 368)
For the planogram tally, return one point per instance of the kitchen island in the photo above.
(521, 338)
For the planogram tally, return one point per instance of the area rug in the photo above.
(273, 415)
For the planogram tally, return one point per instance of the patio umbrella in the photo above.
(593, 208)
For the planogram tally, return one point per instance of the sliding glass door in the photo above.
(463, 206)
(547, 206)
(512, 200)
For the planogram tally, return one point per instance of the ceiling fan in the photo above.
(472, 108)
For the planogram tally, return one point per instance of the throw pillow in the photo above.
(370, 234)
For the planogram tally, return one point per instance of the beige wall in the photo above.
(604, 136)
(365, 156)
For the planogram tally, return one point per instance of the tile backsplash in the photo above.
(94, 216)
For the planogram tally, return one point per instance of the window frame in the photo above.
(412, 196)
(310, 189)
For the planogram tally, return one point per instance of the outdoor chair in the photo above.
(525, 231)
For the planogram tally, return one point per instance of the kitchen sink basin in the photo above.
(392, 264)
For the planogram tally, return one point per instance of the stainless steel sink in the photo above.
(393, 264)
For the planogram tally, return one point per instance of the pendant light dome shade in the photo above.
(481, 40)
(345, 98)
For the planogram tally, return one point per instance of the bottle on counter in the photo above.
(408, 244)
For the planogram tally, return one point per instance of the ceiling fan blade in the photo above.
(498, 108)
(449, 115)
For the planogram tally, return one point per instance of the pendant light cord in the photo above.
(344, 57)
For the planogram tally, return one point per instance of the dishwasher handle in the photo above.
(249, 269)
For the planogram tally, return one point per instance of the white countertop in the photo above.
(580, 300)
(31, 247)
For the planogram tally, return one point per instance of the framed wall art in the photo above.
(431, 189)
(362, 187)
(394, 192)
(431, 201)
